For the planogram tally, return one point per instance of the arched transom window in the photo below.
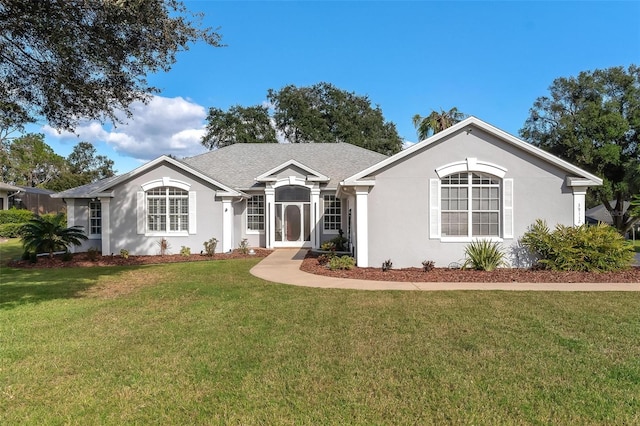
(470, 205)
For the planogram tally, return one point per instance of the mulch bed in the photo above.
(82, 260)
(631, 275)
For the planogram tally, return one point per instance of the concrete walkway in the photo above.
(283, 266)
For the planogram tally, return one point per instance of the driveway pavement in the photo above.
(283, 266)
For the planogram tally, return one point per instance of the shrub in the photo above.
(483, 255)
(328, 246)
(243, 246)
(428, 265)
(598, 248)
(14, 215)
(92, 254)
(210, 246)
(164, 246)
(323, 259)
(185, 251)
(11, 230)
(33, 257)
(26, 255)
(67, 256)
(124, 253)
(342, 263)
(387, 265)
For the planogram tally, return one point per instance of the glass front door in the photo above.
(292, 223)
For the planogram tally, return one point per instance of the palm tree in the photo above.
(436, 121)
(49, 234)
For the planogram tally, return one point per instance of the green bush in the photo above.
(124, 253)
(598, 248)
(11, 230)
(14, 215)
(343, 263)
(92, 253)
(210, 246)
(243, 246)
(185, 251)
(484, 255)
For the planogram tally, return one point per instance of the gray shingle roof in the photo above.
(84, 191)
(238, 165)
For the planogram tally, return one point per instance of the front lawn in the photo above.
(206, 342)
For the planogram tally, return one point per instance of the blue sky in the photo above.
(488, 59)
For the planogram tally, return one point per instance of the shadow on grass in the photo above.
(31, 286)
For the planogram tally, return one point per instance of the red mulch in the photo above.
(631, 275)
(82, 260)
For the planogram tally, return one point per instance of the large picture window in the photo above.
(95, 218)
(332, 213)
(470, 205)
(255, 213)
(167, 209)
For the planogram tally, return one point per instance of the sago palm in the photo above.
(41, 235)
(436, 121)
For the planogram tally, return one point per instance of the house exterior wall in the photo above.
(4, 200)
(399, 205)
(123, 233)
(78, 211)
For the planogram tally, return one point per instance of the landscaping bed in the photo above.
(505, 275)
(83, 260)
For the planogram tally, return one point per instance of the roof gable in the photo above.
(103, 186)
(587, 179)
(311, 174)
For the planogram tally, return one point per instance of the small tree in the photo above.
(50, 234)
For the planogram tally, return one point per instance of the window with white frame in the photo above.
(470, 205)
(167, 209)
(332, 213)
(95, 218)
(255, 213)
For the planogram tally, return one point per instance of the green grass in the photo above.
(10, 250)
(207, 343)
(636, 245)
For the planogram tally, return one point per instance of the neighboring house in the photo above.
(601, 214)
(5, 190)
(38, 200)
(471, 181)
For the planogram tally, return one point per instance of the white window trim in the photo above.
(141, 208)
(90, 235)
(264, 217)
(506, 202)
(330, 231)
(470, 239)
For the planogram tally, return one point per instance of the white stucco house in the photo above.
(471, 181)
(5, 189)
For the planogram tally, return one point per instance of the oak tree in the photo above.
(593, 121)
(238, 125)
(324, 113)
(66, 60)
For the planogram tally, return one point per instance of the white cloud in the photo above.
(163, 126)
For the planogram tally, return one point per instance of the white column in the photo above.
(71, 217)
(579, 193)
(315, 219)
(269, 220)
(227, 225)
(106, 226)
(362, 228)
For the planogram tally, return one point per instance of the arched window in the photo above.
(470, 205)
(167, 209)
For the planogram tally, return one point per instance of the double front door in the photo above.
(292, 224)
